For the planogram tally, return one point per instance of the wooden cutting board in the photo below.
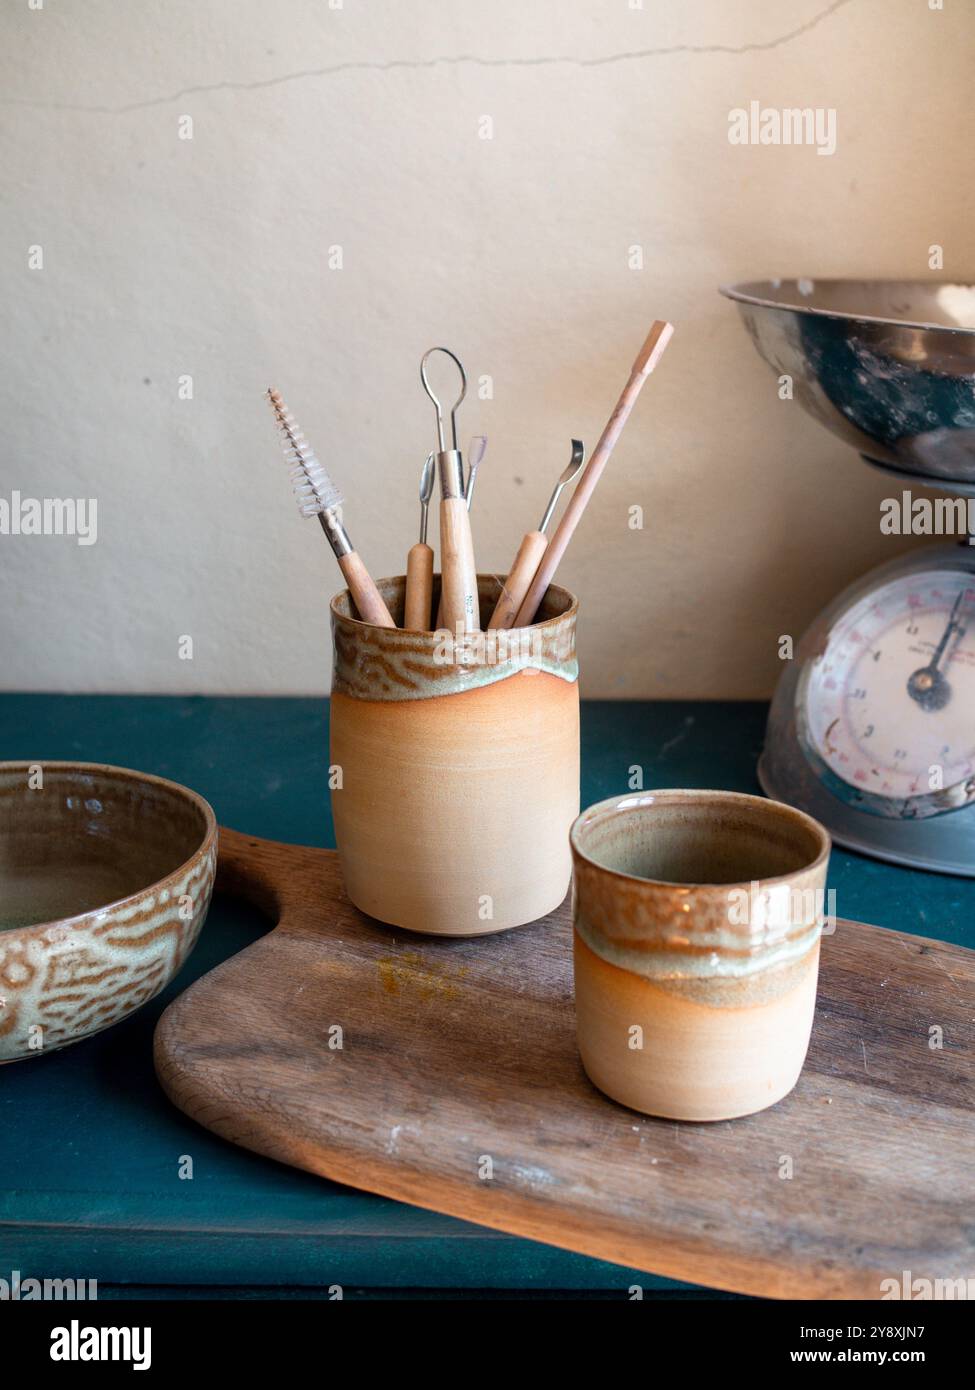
(456, 1052)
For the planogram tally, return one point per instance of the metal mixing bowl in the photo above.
(888, 365)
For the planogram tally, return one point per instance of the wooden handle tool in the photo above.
(419, 587)
(367, 598)
(460, 609)
(475, 453)
(650, 354)
(460, 601)
(531, 550)
(318, 496)
(419, 561)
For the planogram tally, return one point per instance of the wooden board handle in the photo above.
(249, 869)
(367, 598)
(419, 588)
(275, 878)
(516, 586)
(459, 583)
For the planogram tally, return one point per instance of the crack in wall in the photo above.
(394, 64)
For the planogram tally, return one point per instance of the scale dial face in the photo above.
(888, 707)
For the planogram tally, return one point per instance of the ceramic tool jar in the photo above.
(455, 765)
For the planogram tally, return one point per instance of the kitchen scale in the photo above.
(872, 727)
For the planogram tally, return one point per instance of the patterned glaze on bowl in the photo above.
(105, 879)
(698, 917)
(459, 766)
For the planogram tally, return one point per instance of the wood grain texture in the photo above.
(419, 587)
(362, 587)
(519, 578)
(458, 1049)
(458, 602)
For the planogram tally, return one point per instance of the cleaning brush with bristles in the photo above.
(318, 496)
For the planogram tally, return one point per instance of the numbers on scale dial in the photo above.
(890, 704)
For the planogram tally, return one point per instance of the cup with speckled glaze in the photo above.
(697, 924)
(455, 765)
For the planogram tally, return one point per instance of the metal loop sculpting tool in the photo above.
(459, 573)
(441, 439)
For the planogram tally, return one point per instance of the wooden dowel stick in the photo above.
(516, 585)
(419, 587)
(650, 354)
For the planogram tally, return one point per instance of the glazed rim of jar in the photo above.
(121, 774)
(602, 811)
(400, 579)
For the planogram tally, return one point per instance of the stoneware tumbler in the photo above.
(455, 765)
(697, 923)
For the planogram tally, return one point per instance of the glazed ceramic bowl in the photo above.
(697, 919)
(105, 879)
(455, 766)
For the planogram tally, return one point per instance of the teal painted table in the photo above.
(91, 1151)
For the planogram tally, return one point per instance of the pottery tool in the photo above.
(459, 574)
(318, 496)
(532, 548)
(419, 561)
(475, 452)
(650, 354)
